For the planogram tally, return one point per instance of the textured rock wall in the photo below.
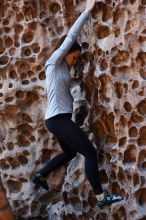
(109, 91)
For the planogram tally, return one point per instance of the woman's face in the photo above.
(71, 57)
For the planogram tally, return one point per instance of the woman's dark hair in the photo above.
(74, 47)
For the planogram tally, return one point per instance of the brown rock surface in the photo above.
(109, 91)
(5, 208)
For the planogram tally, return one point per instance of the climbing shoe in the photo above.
(109, 198)
(40, 181)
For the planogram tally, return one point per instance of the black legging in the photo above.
(72, 139)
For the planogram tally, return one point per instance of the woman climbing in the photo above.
(71, 137)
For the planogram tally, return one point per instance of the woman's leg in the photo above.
(72, 140)
(76, 139)
(58, 160)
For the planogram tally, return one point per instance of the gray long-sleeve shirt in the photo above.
(58, 78)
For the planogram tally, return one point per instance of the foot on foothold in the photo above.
(41, 181)
(109, 198)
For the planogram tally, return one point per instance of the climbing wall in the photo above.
(109, 91)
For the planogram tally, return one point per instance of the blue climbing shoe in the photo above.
(109, 198)
(40, 181)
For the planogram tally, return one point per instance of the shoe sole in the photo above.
(109, 202)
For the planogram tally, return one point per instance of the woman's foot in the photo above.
(108, 198)
(41, 181)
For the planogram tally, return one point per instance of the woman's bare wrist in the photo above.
(90, 5)
(87, 10)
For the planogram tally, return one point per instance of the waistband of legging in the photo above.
(60, 115)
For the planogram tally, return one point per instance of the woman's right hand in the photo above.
(90, 5)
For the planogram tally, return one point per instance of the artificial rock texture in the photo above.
(108, 86)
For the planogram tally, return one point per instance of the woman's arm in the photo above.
(72, 35)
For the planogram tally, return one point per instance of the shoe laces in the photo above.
(107, 194)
